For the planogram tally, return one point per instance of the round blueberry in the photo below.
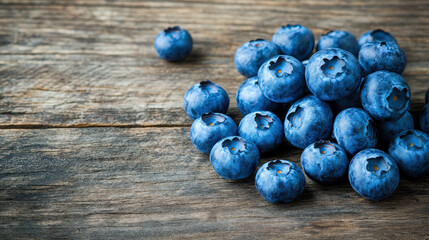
(251, 55)
(385, 95)
(410, 150)
(377, 35)
(339, 39)
(250, 98)
(424, 119)
(373, 174)
(282, 79)
(280, 181)
(263, 128)
(173, 44)
(389, 129)
(355, 130)
(304, 124)
(210, 128)
(377, 56)
(294, 40)
(234, 158)
(205, 97)
(332, 74)
(324, 162)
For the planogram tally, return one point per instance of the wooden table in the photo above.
(94, 141)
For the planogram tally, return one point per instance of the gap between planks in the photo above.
(89, 125)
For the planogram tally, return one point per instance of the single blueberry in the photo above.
(282, 79)
(385, 95)
(173, 44)
(263, 128)
(280, 181)
(389, 129)
(355, 130)
(424, 119)
(373, 174)
(234, 158)
(339, 39)
(377, 35)
(294, 40)
(410, 150)
(205, 97)
(307, 121)
(332, 74)
(251, 55)
(250, 98)
(377, 56)
(324, 162)
(208, 129)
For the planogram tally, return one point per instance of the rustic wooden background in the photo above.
(94, 141)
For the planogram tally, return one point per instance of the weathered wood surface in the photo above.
(88, 63)
(149, 182)
(105, 153)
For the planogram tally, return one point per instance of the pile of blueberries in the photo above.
(341, 102)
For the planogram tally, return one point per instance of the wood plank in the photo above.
(92, 63)
(111, 183)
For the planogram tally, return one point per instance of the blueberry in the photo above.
(294, 40)
(424, 119)
(280, 181)
(324, 162)
(355, 130)
(339, 39)
(251, 55)
(234, 158)
(250, 98)
(210, 128)
(373, 174)
(410, 150)
(377, 56)
(205, 97)
(377, 35)
(173, 44)
(282, 79)
(389, 129)
(385, 95)
(307, 121)
(332, 74)
(262, 128)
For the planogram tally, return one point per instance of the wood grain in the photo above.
(94, 142)
(92, 63)
(132, 183)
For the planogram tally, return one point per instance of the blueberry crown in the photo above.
(234, 145)
(377, 165)
(172, 29)
(279, 166)
(325, 146)
(281, 66)
(211, 119)
(412, 139)
(263, 121)
(333, 67)
(370, 130)
(208, 86)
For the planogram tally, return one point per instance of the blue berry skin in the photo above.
(250, 98)
(208, 129)
(205, 97)
(410, 150)
(294, 40)
(424, 119)
(385, 95)
(263, 128)
(282, 79)
(355, 130)
(376, 35)
(234, 158)
(307, 121)
(373, 174)
(377, 56)
(332, 74)
(251, 55)
(325, 162)
(339, 39)
(389, 129)
(352, 101)
(173, 44)
(280, 181)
